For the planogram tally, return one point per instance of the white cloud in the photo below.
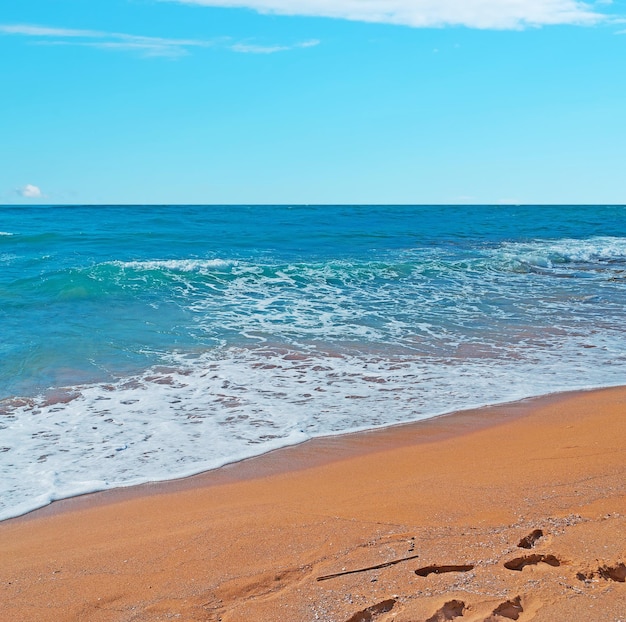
(495, 14)
(30, 192)
(251, 48)
(145, 46)
(32, 30)
(307, 44)
(247, 48)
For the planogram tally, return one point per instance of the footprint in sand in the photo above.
(424, 572)
(509, 609)
(609, 573)
(531, 560)
(452, 609)
(528, 542)
(371, 613)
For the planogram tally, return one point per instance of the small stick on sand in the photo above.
(385, 565)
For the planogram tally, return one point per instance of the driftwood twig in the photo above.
(385, 565)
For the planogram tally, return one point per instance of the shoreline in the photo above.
(250, 540)
(318, 451)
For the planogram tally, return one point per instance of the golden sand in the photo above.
(509, 513)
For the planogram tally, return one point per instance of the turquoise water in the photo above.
(147, 342)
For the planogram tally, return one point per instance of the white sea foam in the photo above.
(204, 411)
(551, 253)
(180, 265)
(7, 258)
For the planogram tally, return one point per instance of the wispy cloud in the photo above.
(487, 14)
(32, 30)
(145, 46)
(142, 45)
(250, 48)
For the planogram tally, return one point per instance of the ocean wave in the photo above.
(404, 299)
(564, 253)
(176, 265)
(408, 268)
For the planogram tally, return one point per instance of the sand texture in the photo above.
(515, 513)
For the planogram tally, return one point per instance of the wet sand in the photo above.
(509, 513)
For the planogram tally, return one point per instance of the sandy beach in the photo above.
(515, 512)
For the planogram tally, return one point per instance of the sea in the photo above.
(144, 343)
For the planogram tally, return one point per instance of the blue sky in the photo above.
(313, 101)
